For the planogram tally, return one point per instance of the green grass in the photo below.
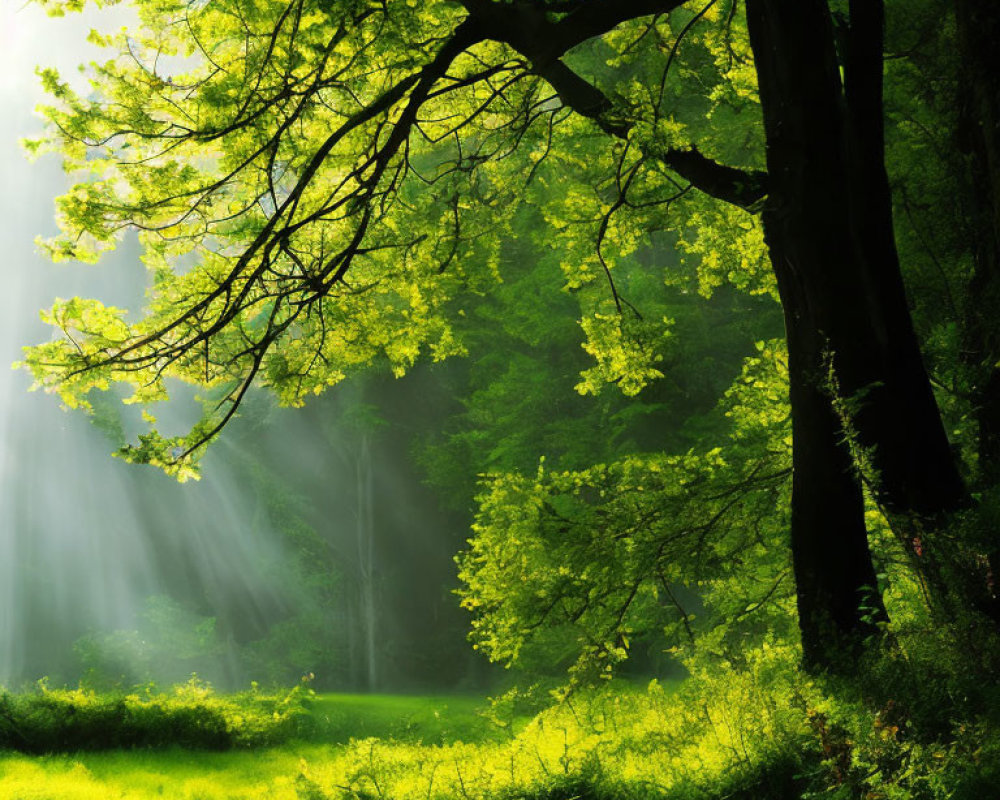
(338, 718)
(143, 775)
(763, 731)
(388, 746)
(275, 772)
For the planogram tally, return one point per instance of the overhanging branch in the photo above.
(528, 29)
(536, 26)
(740, 187)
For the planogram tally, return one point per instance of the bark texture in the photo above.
(826, 297)
(915, 474)
(978, 28)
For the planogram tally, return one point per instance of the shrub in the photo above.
(190, 715)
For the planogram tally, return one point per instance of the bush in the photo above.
(190, 715)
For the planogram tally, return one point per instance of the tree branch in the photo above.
(740, 187)
(528, 23)
(526, 27)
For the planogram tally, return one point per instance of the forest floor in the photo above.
(273, 773)
(765, 733)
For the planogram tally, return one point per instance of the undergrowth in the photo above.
(913, 725)
(190, 715)
(759, 728)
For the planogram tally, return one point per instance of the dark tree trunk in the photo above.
(826, 297)
(829, 224)
(915, 474)
(978, 28)
(836, 588)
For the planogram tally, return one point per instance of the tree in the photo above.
(979, 118)
(978, 134)
(314, 184)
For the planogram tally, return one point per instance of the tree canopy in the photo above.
(318, 188)
(314, 186)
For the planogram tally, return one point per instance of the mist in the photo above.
(309, 547)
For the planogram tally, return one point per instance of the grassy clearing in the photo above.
(274, 772)
(625, 742)
(436, 719)
(763, 732)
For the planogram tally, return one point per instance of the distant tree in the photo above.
(313, 185)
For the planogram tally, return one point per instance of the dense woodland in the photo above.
(684, 317)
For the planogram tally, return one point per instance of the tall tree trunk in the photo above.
(838, 601)
(978, 28)
(826, 297)
(897, 420)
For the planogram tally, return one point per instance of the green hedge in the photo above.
(191, 715)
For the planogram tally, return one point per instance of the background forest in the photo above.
(636, 363)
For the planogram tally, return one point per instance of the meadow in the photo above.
(625, 740)
(762, 729)
(281, 770)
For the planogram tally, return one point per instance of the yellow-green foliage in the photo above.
(719, 733)
(144, 775)
(616, 742)
(191, 715)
